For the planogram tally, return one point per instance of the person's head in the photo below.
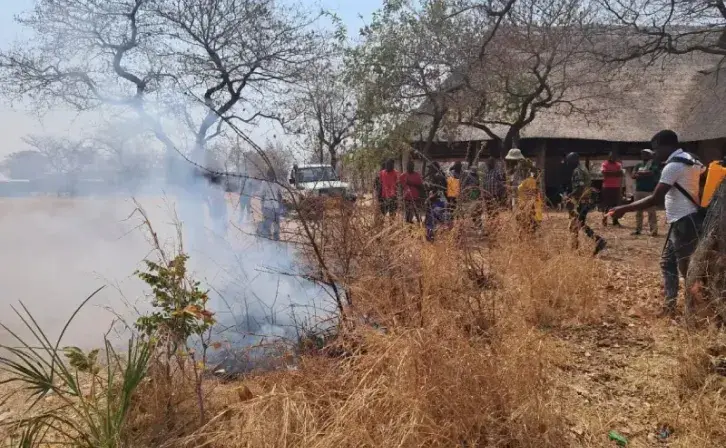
(572, 159)
(612, 156)
(410, 166)
(646, 154)
(664, 143)
(491, 163)
(389, 165)
(456, 168)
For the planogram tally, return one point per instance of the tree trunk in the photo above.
(511, 140)
(426, 153)
(333, 158)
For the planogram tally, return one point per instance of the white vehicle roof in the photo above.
(314, 165)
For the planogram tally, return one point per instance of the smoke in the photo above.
(58, 250)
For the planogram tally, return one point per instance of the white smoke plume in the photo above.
(56, 250)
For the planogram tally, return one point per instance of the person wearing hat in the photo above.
(529, 211)
(518, 171)
(646, 175)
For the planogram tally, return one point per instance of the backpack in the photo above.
(701, 210)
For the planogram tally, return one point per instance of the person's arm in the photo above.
(668, 178)
(651, 201)
(636, 173)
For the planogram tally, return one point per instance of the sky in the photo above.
(17, 120)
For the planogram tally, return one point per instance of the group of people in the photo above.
(646, 174)
(441, 196)
(666, 175)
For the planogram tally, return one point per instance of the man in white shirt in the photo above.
(679, 187)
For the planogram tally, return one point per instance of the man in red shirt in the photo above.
(389, 189)
(612, 184)
(412, 184)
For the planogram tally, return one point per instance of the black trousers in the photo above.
(676, 256)
(578, 219)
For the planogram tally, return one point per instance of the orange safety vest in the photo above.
(453, 187)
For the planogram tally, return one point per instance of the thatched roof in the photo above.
(686, 93)
(683, 93)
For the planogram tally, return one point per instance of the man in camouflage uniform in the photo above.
(579, 203)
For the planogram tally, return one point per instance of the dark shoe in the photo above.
(654, 234)
(636, 233)
(599, 246)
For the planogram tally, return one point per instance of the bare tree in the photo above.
(25, 164)
(128, 157)
(653, 28)
(324, 110)
(199, 60)
(66, 159)
(538, 60)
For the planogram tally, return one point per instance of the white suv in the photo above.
(316, 180)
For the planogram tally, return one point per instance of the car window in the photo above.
(316, 174)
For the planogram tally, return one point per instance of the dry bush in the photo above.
(550, 284)
(700, 380)
(411, 388)
(441, 345)
(401, 279)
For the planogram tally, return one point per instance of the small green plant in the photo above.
(180, 306)
(90, 400)
(179, 315)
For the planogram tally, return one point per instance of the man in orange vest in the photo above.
(453, 187)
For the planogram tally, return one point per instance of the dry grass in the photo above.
(460, 359)
(507, 341)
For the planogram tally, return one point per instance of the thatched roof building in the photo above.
(685, 93)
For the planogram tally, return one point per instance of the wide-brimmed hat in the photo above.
(514, 154)
(648, 151)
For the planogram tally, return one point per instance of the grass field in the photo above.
(547, 348)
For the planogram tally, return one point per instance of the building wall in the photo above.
(710, 150)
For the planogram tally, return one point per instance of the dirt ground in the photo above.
(627, 372)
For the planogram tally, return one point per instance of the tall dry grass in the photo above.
(700, 381)
(443, 346)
